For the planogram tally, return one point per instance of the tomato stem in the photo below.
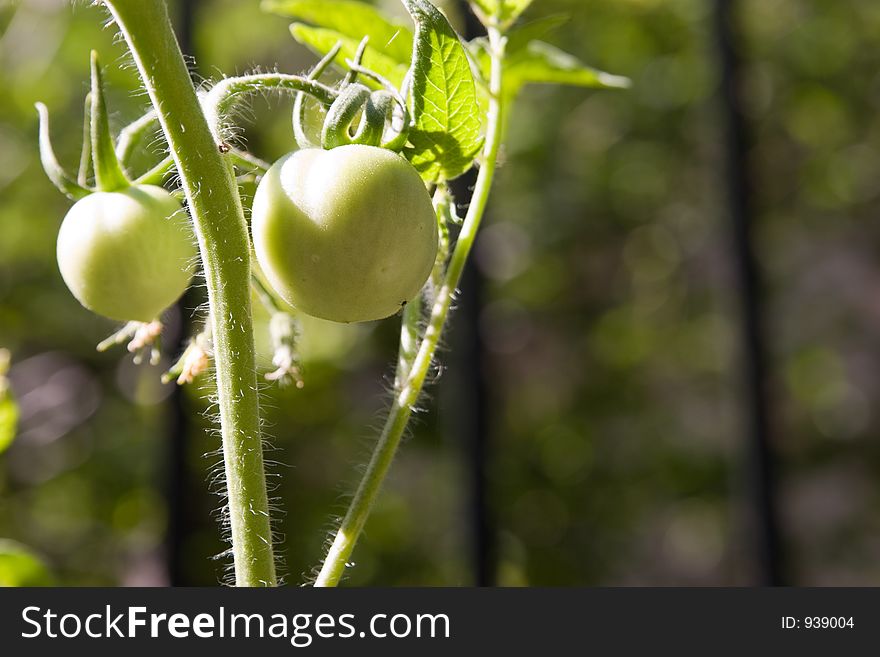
(409, 340)
(223, 95)
(412, 373)
(161, 169)
(156, 175)
(212, 196)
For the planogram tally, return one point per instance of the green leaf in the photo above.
(322, 40)
(85, 158)
(21, 567)
(518, 39)
(511, 10)
(500, 12)
(324, 23)
(541, 63)
(352, 19)
(445, 138)
(485, 8)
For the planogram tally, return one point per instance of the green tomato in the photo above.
(347, 234)
(129, 254)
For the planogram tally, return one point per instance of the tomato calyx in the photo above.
(358, 115)
(98, 150)
(383, 119)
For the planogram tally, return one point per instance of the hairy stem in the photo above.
(410, 384)
(243, 159)
(211, 193)
(409, 340)
(223, 95)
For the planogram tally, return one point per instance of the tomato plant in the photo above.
(355, 225)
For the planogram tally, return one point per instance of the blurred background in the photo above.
(663, 369)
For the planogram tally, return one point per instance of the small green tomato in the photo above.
(347, 234)
(128, 254)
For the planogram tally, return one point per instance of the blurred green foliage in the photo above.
(20, 567)
(616, 425)
(8, 405)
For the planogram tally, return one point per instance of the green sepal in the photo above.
(56, 173)
(382, 104)
(300, 122)
(342, 113)
(85, 158)
(109, 175)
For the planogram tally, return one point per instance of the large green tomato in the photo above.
(127, 255)
(347, 234)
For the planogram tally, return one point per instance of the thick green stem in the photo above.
(208, 181)
(410, 385)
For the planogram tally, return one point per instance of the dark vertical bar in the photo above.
(760, 475)
(186, 25)
(470, 405)
(472, 390)
(177, 475)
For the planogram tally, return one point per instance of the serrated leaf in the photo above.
(445, 139)
(8, 421)
(352, 19)
(321, 40)
(541, 63)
